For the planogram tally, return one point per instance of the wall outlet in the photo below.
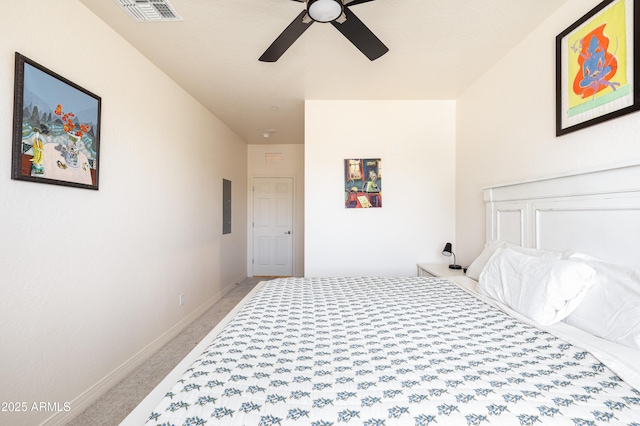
(181, 299)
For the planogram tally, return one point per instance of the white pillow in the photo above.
(543, 289)
(611, 309)
(475, 269)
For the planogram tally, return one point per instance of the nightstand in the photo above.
(438, 270)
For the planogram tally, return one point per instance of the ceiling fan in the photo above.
(336, 12)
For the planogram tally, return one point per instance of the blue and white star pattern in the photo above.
(390, 351)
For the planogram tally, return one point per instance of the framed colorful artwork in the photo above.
(596, 74)
(56, 128)
(363, 183)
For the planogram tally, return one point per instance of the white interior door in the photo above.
(273, 226)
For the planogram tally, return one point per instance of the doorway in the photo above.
(273, 226)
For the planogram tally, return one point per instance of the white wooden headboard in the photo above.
(595, 212)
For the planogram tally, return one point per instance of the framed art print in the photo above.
(56, 128)
(596, 73)
(362, 183)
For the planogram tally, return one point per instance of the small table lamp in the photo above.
(448, 252)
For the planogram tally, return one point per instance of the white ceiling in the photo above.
(437, 48)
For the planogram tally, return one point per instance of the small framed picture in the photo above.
(596, 70)
(363, 183)
(56, 128)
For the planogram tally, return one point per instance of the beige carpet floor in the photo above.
(119, 401)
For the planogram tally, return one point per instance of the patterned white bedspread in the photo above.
(390, 351)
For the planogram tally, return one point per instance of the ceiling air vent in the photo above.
(149, 10)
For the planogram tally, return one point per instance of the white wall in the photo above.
(292, 165)
(506, 129)
(90, 278)
(416, 142)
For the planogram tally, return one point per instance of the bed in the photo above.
(419, 351)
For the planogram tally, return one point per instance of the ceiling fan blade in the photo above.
(361, 36)
(354, 2)
(287, 38)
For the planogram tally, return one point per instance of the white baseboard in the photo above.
(91, 395)
(141, 413)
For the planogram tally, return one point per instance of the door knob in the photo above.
(288, 232)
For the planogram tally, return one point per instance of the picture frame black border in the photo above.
(636, 72)
(18, 107)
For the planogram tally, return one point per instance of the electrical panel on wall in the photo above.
(226, 206)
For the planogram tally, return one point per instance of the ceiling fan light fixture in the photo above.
(324, 10)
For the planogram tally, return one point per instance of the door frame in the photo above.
(250, 213)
